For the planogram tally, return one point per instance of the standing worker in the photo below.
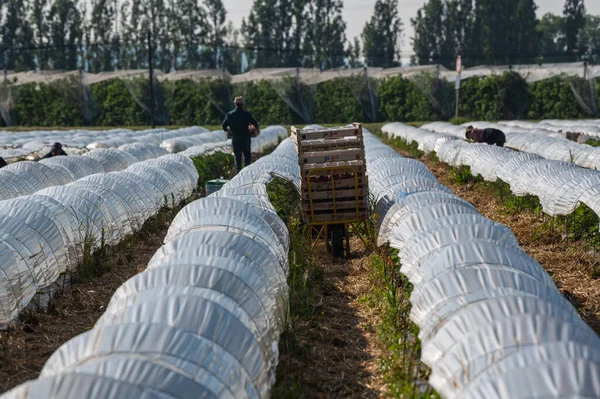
(237, 124)
(489, 136)
(55, 151)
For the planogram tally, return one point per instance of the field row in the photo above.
(491, 321)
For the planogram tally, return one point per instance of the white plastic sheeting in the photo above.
(530, 72)
(207, 149)
(143, 151)
(270, 136)
(204, 319)
(75, 142)
(491, 322)
(561, 186)
(183, 143)
(23, 178)
(43, 234)
(545, 140)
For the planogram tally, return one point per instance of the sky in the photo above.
(358, 12)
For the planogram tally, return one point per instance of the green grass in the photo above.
(593, 142)
(401, 366)
(303, 275)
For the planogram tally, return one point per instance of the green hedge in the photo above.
(187, 102)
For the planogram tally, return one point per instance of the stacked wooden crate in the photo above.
(341, 151)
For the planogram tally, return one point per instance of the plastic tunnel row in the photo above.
(65, 202)
(560, 186)
(269, 137)
(204, 319)
(192, 140)
(590, 128)
(533, 138)
(44, 234)
(492, 323)
(23, 178)
(76, 142)
(27, 177)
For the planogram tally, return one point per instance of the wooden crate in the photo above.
(339, 205)
(328, 133)
(323, 157)
(343, 167)
(339, 194)
(341, 150)
(329, 145)
(341, 216)
(337, 184)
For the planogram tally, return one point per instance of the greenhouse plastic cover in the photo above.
(557, 181)
(24, 178)
(43, 233)
(530, 72)
(204, 319)
(15, 145)
(183, 327)
(492, 324)
(183, 143)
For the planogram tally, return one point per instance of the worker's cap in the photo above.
(238, 100)
(469, 128)
(56, 146)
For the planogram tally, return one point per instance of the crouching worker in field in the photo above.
(489, 136)
(55, 151)
(237, 125)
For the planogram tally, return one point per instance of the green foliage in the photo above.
(381, 33)
(49, 104)
(204, 102)
(265, 104)
(462, 176)
(494, 98)
(401, 366)
(213, 166)
(336, 103)
(285, 198)
(583, 225)
(187, 102)
(460, 120)
(411, 149)
(116, 106)
(402, 101)
(553, 99)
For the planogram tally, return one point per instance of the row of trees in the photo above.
(107, 35)
(503, 32)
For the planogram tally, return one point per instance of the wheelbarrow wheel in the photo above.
(337, 241)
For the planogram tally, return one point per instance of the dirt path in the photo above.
(337, 351)
(572, 266)
(25, 349)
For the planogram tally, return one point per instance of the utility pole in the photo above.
(151, 79)
(371, 96)
(458, 72)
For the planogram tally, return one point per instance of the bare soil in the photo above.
(338, 351)
(25, 349)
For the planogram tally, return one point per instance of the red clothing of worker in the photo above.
(477, 135)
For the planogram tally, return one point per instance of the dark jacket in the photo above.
(238, 121)
(2, 163)
(50, 154)
(489, 136)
